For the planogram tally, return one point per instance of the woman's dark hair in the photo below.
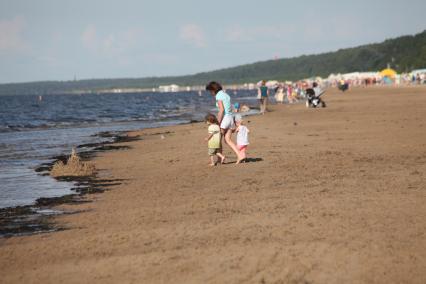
(211, 118)
(214, 86)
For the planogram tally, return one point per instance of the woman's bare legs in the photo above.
(231, 144)
(261, 104)
(265, 102)
(222, 157)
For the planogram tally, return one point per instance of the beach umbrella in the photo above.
(272, 84)
(388, 72)
(269, 84)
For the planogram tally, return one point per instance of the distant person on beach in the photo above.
(290, 95)
(242, 136)
(244, 108)
(279, 94)
(317, 89)
(224, 116)
(237, 107)
(262, 96)
(214, 140)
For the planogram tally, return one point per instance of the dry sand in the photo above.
(339, 198)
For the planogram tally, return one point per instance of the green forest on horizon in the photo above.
(404, 54)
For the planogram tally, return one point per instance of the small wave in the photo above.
(5, 128)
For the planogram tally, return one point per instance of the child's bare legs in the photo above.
(222, 157)
(212, 161)
(243, 152)
(231, 144)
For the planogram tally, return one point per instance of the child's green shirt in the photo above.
(214, 142)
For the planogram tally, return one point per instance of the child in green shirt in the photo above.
(214, 140)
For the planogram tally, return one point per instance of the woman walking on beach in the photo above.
(262, 95)
(224, 116)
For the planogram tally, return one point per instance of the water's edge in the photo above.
(38, 217)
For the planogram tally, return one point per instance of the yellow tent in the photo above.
(388, 73)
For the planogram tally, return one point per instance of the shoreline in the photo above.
(337, 197)
(26, 219)
(37, 218)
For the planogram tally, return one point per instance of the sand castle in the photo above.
(73, 167)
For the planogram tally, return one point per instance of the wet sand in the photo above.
(337, 195)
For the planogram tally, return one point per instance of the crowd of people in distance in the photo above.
(290, 92)
(413, 79)
(404, 79)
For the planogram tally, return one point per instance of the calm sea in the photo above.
(33, 129)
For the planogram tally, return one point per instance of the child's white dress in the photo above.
(242, 136)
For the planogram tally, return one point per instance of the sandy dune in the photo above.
(338, 197)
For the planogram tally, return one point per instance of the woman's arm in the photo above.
(221, 111)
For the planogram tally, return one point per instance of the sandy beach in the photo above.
(334, 195)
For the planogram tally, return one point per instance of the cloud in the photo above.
(238, 34)
(193, 34)
(11, 35)
(111, 44)
(89, 38)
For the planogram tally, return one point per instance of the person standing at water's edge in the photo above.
(262, 95)
(224, 116)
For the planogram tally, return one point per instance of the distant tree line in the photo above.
(403, 54)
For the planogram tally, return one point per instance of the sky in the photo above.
(84, 39)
